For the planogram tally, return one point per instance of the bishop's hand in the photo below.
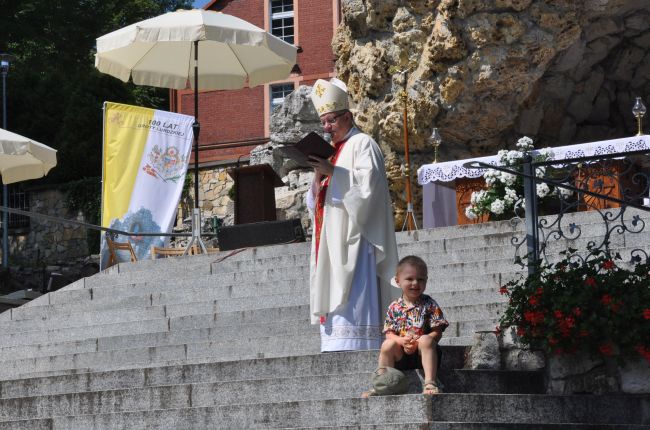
(322, 166)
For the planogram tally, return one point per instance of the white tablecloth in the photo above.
(437, 201)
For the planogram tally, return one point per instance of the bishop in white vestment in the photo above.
(354, 253)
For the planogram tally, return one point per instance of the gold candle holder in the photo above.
(639, 112)
(436, 140)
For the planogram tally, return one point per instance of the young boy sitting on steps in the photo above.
(414, 325)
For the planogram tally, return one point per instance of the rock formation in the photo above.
(289, 123)
(488, 71)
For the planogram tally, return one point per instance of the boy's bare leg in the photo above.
(390, 353)
(427, 347)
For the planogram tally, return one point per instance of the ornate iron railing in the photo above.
(616, 186)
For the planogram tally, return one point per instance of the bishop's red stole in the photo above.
(320, 199)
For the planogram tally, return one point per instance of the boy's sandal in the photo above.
(430, 388)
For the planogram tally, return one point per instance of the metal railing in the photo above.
(610, 184)
(90, 226)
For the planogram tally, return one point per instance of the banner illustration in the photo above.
(145, 162)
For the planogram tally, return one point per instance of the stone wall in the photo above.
(47, 242)
(289, 123)
(214, 185)
(565, 374)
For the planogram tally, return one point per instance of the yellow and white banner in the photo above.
(145, 161)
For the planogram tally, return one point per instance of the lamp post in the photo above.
(5, 59)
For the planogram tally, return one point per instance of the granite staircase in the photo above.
(224, 341)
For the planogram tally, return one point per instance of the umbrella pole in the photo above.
(5, 189)
(196, 127)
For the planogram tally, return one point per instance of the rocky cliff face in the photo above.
(488, 71)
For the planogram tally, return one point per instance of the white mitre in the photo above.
(329, 96)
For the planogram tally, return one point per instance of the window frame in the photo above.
(280, 17)
(273, 101)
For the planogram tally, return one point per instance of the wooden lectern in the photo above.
(254, 193)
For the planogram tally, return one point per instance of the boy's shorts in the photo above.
(413, 361)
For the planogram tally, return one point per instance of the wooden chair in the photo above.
(114, 247)
(159, 251)
(163, 252)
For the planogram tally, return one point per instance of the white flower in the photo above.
(545, 153)
(525, 143)
(540, 172)
(490, 176)
(469, 212)
(503, 153)
(511, 196)
(508, 178)
(477, 196)
(513, 156)
(497, 207)
(542, 190)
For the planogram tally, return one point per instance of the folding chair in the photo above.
(113, 247)
(170, 252)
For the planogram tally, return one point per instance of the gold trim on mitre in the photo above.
(329, 96)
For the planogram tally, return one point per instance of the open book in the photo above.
(311, 144)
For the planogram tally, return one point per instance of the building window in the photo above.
(282, 19)
(278, 93)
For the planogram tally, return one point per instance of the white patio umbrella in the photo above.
(22, 158)
(179, 49)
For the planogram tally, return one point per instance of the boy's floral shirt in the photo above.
(419, 319)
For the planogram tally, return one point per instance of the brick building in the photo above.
(234, 122)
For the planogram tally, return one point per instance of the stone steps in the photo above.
(441, 253)
(150, 348)
(81, 336)
(221, 350)
(281, 367)
(249, 391)
(462, 265)
(112, 315)
(160, 338)
(83, 332)
(495, 238)
(155, 294)
(131, 297)
(149, 294)
(460, 238)
(150, 345)
(80, 319)
(480, 426)
(209, 330)
(444, 408)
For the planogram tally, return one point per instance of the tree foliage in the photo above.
(54, 92)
